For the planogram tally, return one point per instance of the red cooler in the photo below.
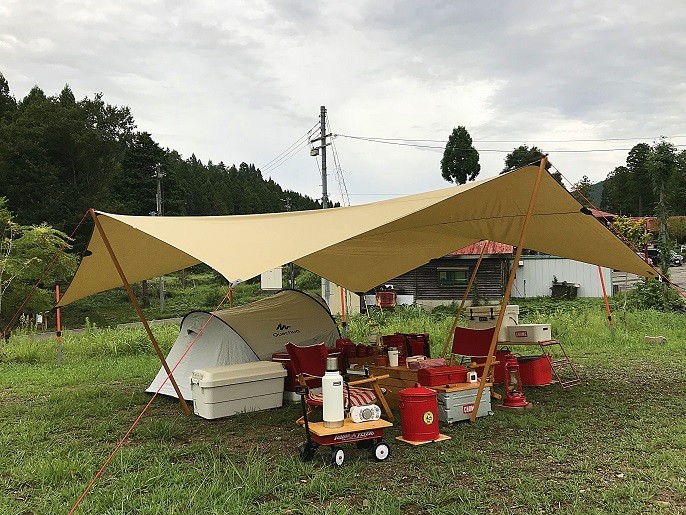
(419, 414)
(535, 370)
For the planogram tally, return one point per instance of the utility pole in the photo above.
(325, 194)
(159, 175)
(322, 124)
(291, 272)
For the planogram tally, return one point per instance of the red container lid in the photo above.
(417, 391)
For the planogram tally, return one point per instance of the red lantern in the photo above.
(514, 397)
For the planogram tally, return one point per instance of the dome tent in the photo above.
(251, 332)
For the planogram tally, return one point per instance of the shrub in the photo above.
(654, 294)
(307, 280)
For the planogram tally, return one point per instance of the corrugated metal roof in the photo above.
(493, 247)
(602, 215)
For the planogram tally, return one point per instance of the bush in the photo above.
(655, 295)
(308, 281)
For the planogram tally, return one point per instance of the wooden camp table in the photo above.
(558, 365)
(398, 378)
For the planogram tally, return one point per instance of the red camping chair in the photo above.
(310, 363)
(473, 343)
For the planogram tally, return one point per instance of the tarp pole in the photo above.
(344, 318)
(508, 289)
(138, 309)
(464, 299)
(607, 304)
(58, 326)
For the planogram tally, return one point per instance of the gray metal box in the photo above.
(459, 405)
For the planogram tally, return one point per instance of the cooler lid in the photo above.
(417, 391)
(240, 373)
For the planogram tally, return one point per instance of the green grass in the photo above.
(614, 444)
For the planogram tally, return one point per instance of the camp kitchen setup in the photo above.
(253, 357)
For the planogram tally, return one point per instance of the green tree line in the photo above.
(60, 156)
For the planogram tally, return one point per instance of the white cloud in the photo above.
(240, 81)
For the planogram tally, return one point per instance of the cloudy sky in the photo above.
(237, 81)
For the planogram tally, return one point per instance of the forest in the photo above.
(60, 156)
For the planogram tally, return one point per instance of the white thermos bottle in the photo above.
(332, 390)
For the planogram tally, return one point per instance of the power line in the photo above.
(557, 151)
(343, 188)
(289, 152)
(581, 140)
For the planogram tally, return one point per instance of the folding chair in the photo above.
(309, 363)
(473, 343)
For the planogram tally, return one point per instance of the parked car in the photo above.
(675, 259)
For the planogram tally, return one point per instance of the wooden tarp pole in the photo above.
(508, 289)
(464, 299)
(344, 317)
(138, 309)
(607, 304)
(58, 326)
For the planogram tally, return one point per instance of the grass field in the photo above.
(614, 444)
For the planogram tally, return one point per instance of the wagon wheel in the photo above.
(337, 456)
(380, 451)
(307, 451)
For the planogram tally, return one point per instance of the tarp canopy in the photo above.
(357, 247)
(245, 333)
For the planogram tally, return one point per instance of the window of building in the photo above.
(452, 276)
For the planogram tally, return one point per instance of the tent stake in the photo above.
(138, 309)
(464, 299)
(508, 289)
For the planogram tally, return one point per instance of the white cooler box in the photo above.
(529, 333)
(227, 390)
(456, 406)
(483, 317)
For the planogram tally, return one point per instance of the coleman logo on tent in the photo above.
(283, 330)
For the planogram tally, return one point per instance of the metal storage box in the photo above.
(529, 333)
(441, 376)
(459, 405)
(483, 317)
(227, 390)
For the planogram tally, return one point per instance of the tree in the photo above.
(25, 253)
(460, 161)
(616, 188)
(662, 165)
(7, 103)
(581, 191)
(136, 183)
(523, 156)
(639, 176)
(676, 186)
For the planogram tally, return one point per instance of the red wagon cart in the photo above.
(367, 435)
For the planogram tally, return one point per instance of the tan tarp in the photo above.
(357, 247)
